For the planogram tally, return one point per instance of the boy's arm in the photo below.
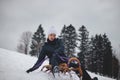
(39, 62)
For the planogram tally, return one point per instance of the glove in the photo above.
(29, 70)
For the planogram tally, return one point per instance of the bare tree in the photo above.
(20, 48)
(25, 39)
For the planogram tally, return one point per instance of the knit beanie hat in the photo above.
(52, 30)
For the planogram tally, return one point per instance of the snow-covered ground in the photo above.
(13, 66)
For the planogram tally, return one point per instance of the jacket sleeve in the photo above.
(40, 60)
(60, 50)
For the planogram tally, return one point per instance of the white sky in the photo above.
(17, 16)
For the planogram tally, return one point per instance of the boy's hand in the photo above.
(29, 70)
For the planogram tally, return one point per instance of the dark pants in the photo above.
(55, 60)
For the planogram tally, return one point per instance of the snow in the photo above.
(13, 66)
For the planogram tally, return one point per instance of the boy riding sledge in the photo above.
(53, 49)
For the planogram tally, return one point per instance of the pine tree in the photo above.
(63, 37)
(84, 45)
(101, 55)
(96, 54)
(115, 67)
(99, 52)
(92, 55)
(107, 65)
(38, 40)
(69, 37)
(63, 34)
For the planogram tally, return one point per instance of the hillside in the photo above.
(13, 66)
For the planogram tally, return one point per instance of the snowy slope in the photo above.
(13, 66)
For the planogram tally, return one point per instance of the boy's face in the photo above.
(51, 36)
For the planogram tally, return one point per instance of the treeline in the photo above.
(95, 53)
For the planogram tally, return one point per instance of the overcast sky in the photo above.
(17, 16)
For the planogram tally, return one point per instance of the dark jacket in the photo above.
(50, 49)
